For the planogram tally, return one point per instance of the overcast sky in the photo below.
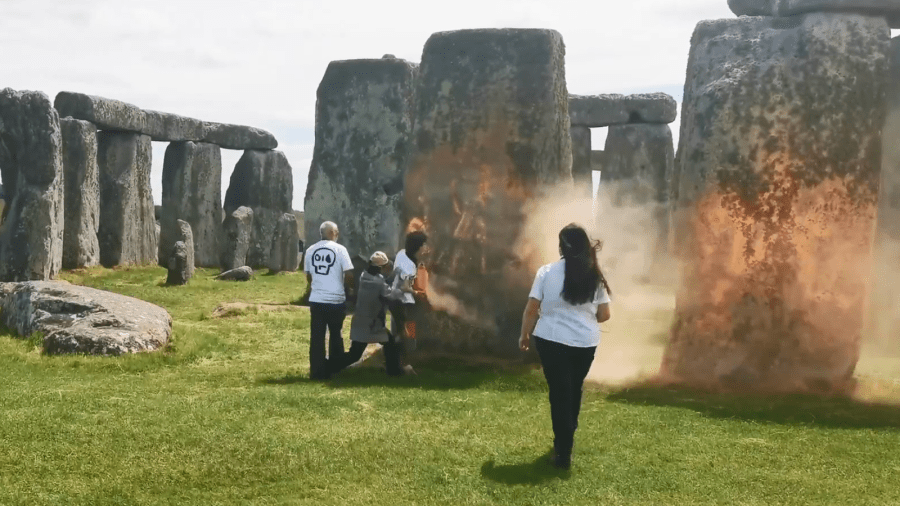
(259, 63)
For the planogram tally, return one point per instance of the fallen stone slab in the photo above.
(106, 113)
(238, 136)
(890, 9)
(240, 274)
(78, 319)
(594, 111)
(167, 127)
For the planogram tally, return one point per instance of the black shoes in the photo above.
(562, 462)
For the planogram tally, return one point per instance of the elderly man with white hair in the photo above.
(328, 271)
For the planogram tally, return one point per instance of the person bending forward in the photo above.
(568, 300)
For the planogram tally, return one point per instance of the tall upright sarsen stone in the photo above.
(262, 181)
(31, 229)
(492, 137)
(127, 233)
(363, 143)
(82, 202)
(777, 174)
(192, 191)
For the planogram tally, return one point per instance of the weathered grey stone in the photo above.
(492, 138)
(166, 127)
(582, 172)
(262, 181)
(885, 301)
(127, 233)
(185, 234)
(362, 150)
(240, 274)
(778, 171)
(598, 159)
(180, 270)
(78, 319)
(238, 136)
(890, 9)
(285, 255)
(192, 191)
(299, 216)
(639, 159)
(31, 233)
(610, 109)
(82, 198)
(235, 243)
(106, 113)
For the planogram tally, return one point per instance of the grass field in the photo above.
(227, 416)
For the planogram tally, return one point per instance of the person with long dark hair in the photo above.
(409, 274)
(568, 301)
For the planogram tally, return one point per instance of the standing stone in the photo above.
(582, 172)
(180, 271)
(31, 228)
(184, 233)
(492, 135)
(127, 233)
(285, 254)
(885, 301)
(779, 158)
(262, 181)
(363, 128)
(192, 191)
(235, 243)
(82, 202)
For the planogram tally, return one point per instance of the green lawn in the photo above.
(227, 416)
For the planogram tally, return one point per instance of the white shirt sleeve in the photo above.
(537, 288)
(601, 297)
(346, 263)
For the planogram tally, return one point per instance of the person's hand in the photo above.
(524, 342)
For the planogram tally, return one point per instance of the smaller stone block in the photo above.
(240, 274)
(180, 270)
(594, 111)
(238, 136)
(285, 255)
(166, 127)
(106, 113)
(235, 243)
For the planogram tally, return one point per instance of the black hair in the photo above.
(373, 269)
(583, 275)
(414, 242)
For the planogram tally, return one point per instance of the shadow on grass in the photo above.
(787, 409)
(528, 473)
(434, 374)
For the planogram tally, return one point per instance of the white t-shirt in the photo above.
(326, 261)
(405, 269)
(560, 321)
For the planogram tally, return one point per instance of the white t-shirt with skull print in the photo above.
(327, 261)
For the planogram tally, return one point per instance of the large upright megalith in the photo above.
(192, 191)
(262, 181)
(363, 143)
(884, 314)
(31, 233)
(492, 138)
(778, 171)
(82, 195)
(127, 233)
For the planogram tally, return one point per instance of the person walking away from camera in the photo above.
(368, 322)
(329, 274)
(568, 300)
(407, 267)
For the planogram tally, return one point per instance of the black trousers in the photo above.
(325, 317)
(391, 355)
(565, 368)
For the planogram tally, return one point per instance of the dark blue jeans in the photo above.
(331, 317)
(565, 368)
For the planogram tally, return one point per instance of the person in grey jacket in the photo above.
(368, 323)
